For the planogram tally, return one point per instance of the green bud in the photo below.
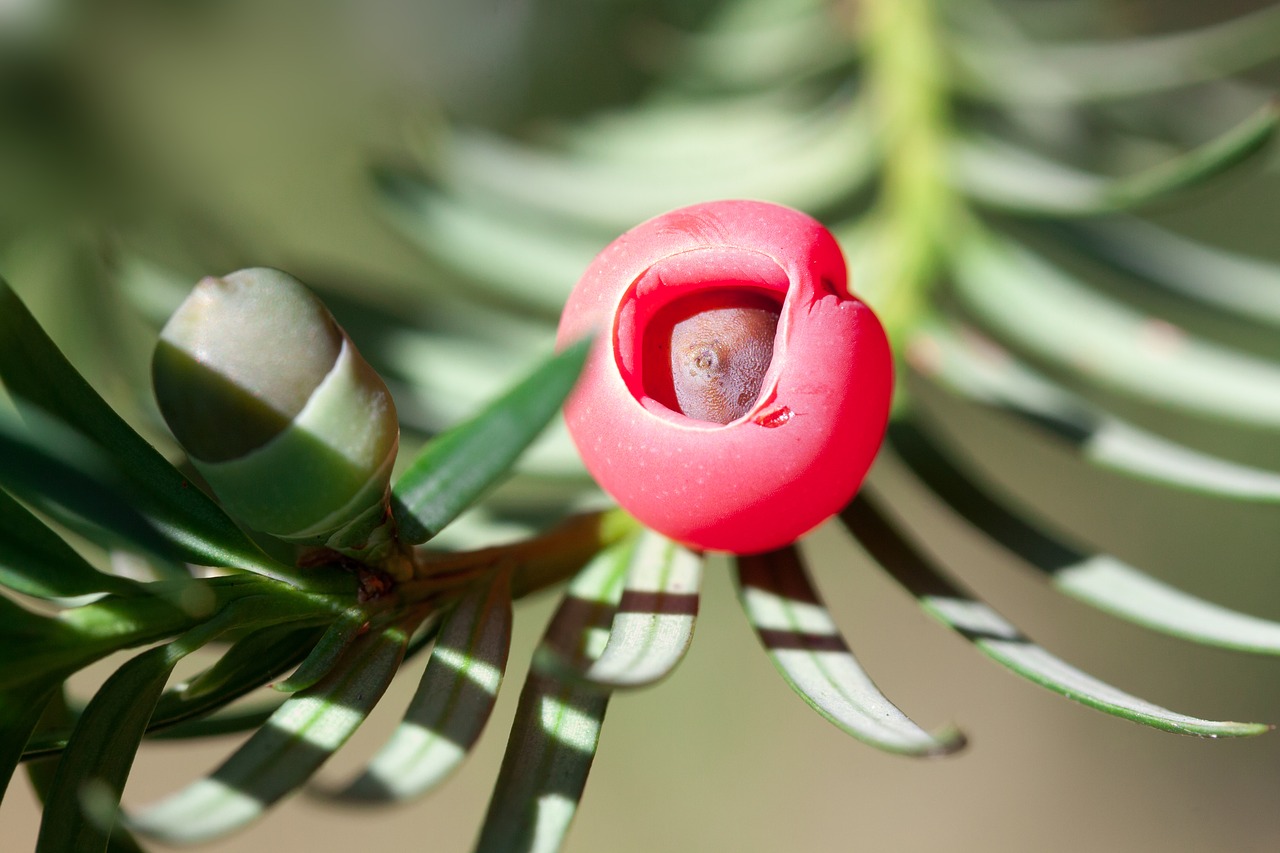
(291, 427)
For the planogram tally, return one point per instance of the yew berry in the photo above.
(737, 392)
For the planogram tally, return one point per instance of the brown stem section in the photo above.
(538, 563)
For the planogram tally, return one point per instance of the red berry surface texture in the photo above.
(737, 392)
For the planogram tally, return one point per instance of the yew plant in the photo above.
(316, 497)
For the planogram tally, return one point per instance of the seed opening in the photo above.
(706, 354)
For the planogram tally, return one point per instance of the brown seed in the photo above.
(710, 352)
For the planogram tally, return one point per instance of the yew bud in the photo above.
(290, 426)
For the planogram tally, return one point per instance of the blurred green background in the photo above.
(252, 127)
